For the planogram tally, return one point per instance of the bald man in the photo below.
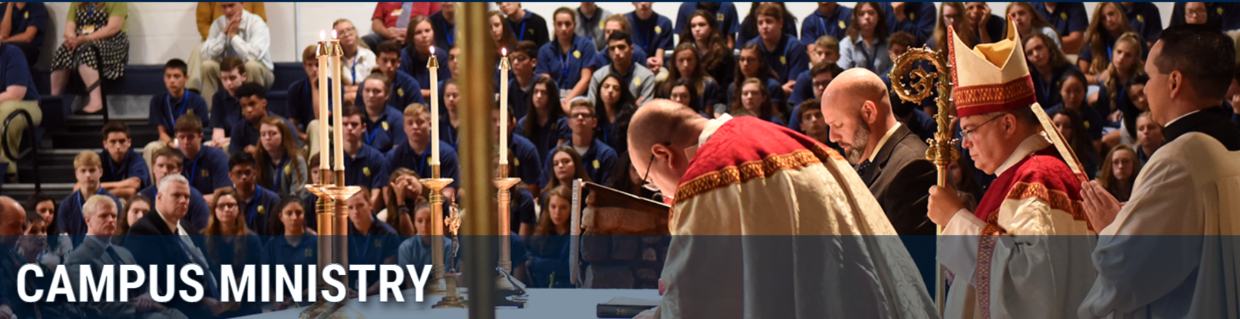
(889, 157)
(731, 177)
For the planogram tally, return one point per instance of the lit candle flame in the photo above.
(322, 35)
(334, 34)
(503, 51)
(432, 50)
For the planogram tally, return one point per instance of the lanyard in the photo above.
(646, 38)
(253, 200)
(371, 137)
(422, 166)
(448, 33)
(365, 246)
(564, 63)
(184, 98)
(869, 57)
(280, 171)
(520, 32)
(192, 169)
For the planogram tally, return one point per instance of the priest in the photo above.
(1171, 252)
(768, 223)
(1024, 253)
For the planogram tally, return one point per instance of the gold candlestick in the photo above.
(503, 183)
(453, 299)
(436, 286)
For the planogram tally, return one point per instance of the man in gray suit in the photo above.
(96, 250)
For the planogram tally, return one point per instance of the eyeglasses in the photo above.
(646, 183)
(964, 134)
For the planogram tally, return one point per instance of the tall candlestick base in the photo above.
(453, 299)
(333, 246)
(505, 230)
(436, 286)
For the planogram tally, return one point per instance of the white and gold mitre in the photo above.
(991, 77)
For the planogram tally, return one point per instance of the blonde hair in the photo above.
(87, 159)
(416, 109)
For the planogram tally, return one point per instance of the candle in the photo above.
(323, 136)
(336, 93)
(433, 65)
(503, 107)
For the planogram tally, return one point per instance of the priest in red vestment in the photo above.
(768, 223)
(1025, 251)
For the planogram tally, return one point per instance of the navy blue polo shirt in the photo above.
(447, 133)
(599, 161)
(527, 164)
(1047, 92)
(165, 111)
(245, 134)
(389, 130)
(306, 252)
(1092, 120)
(565, 68)
(749, 28)
(403, 155)
(257, 208)
(652, 34)
(208, 171)
(405, 90)
(603, 58)
(521, 210)
(300, 104)
(817, 24)
(1087, 52)
(1144, 19)
(519, 97)
(920, 20)
(547, 136)
(69, 218)
(774, 89)
(1068, 17)
(368, 168)
(15, 71)
(372, 247)
(994, 28)
(132, 165)
(198, 213)
(725, 15)
(445, 32)
(802, 91)
(415, 65)
(33, 15)
(226, 112)
(787, 59)
(532, 27)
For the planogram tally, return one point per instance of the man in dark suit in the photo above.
(96, 251)
(164, 238)
(889, 157)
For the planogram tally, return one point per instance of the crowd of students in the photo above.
(571, 94)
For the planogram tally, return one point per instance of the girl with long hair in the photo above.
(420, 45)
(1125, 65)
(714, 53)
(549, 246)
(953, 14)
(405, 191)
(1047, 65)
(614, 106)
(866, 45)
(1119, 172)
(1108, 24)
(230, 241)
(137, 207)
(752, 65)
(292, 245)
(450, 123)
(568, 59)
(1028, 22)
(1070, 124)
(281, 168)
(753, 100)
(684, 93)
(687, 67)
(58, 243)
(545, 124)
(566, 166)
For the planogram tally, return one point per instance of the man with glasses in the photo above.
(1025, 250)
(758, 207)
(819, 77)
(357, 61)
(595, 155)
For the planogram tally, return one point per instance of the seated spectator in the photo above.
(417, 52)
(45, 206)
(687, 66)
(989, 26)
(87, 168)
(356, 60)
(826, 49)
(444, 23)
(281, 167)
(783, 52)
(253, 200)
(724, 17)
(208, 12)
(237, 34)
(637, 78)
(549, 245)
(414, 154)
(526, 25)
(502, 35)
(614, 106)
(1149, 137)
(1119, 172)
(126, 171)
(1126, 64)
(810, 115)
(384, 123)
(33, 241)
(292, 246)
(450, 122)
(653, 32)
(569, 60)
(168, 161)
(364, 165)
(830, 19)
(521, 210)
(867, 39)
(749, 26)
(1028, 22)
(308, 199)
(22, 26)
(1047, 66)
(545, 124)
(589, 21)
(167, 107)
(612, 24)
(226, 106)
(1107, 26)
(416, 250)
(822, 74)
(715, 47)
(1072, 127)
(391, 20)
(524, 63)
(752, 100)
(1072, 92)
(1145, 20)
(684, 93)
(404, 192)
(404, 88)
(99, 30)
(302, 106)
(522, 150)
(916, 18)
(752, 65)
(245, 134)
(955, 14)
(566, 165)
(1194, 13)
(371, 241)
(1069, 20)
(17, 92)
(137, 206)
(205, 167)
(598, 157)
(230, 240)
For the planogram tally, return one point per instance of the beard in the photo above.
(856, 147)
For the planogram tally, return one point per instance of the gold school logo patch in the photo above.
(204, 173)
(378, 243)
(596, 164)
(400, 91)
(261, 210)
(719, 16)
(309, 253)
(384, 124)
(288, 169)
(576, 54)
(842, 25)
(366, 171)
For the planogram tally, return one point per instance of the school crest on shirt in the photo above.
(637, 81)
(912, 16)
(601, 25)
(576, 54)
(657, 30)
(842, 25)
(261, 210)
(596, 164)
(396, 13)
(1064, 15)
(204, 173)
(288, 169)
(378, 243)
(309, 253)
(384, 124)
(366, 171)
(27, 15)
(400, 92)
(516, 162)
(719, 16)
(530, 31)
(1140, 18)
(783, 60)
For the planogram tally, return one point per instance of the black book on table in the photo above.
(624, 307)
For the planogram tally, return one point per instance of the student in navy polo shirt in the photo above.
(1100, 47)
(589, 20)
(17, 92)
(526, 163)
(784, 54)
(416, 250)
(989, 26)
(450, 122)
(545, 124)
(245, 134)
(364, 165)
(168, 162)
(87, 170)
(916, 18)
(255, 201)
(725, 16)
(229, 240)
(124, 171)
(167, 107)
(524, 63)
(569, 60)
(823, 73)
(826, 49)
(290, 245)
(421, 45)
(830, 19)
(752, 65)
(404, 89)
(303, 95)
(371, 241)
(597, 157)
(415, 153)
(1069, 20)
(526, 25)
(687, 66)
(652, 32)
(385, 126)
(749, 26)
(444, 23)
(1145, 20)
(25, 27)
(206, 168)
(612, 24)
(225, 106)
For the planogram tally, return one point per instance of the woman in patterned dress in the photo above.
(95, 44)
